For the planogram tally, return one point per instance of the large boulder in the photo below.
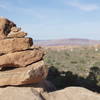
(15, 44)
(72, 93)
(19, 93)
(26, 92)
(33, 73)
(22, 58)
(5, 27)
(15, 29)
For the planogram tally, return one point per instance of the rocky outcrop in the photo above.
(33, 93)
(23, 72)
(19, 63)
(72, 93)
(26, 92)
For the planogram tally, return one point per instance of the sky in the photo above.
(54, 19)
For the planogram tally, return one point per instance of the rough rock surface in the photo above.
(15, 29)
(72, 93)
(30, 93)
(5, 27)
(26, 92)
(19, 93)
(21, 59)
(17, 35)
(15, 44)
(33, 73)
(20, 65)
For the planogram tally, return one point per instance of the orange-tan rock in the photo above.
(33, 73)
(25, 92)
(15, 29)
(5, 27)
(15, 44)
(72, 93)
(22, 58)
(17, 35)
(20, 63)
(19, 93)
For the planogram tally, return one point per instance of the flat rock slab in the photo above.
(22, 58)
(33, 73)
(15, 44)
(19, 93)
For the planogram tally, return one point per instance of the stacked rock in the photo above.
(19, 62)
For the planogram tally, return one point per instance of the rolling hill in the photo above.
(66, 42)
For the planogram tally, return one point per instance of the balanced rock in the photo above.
(15, 44)
(33, 73)
(20, 63)
(5, 27)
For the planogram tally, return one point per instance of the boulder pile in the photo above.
(20, 63)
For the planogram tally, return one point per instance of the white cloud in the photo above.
(84, 7)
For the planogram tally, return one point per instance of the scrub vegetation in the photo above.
(77, 67)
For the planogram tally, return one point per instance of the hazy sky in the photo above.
(53, 19)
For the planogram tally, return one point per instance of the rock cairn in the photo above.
(19, 62)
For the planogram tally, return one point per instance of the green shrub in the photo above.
(81, 62)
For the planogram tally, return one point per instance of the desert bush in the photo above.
(94, 74)
(74, 67)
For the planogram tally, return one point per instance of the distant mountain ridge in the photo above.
(65, 42)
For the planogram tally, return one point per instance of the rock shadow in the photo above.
(66, 79)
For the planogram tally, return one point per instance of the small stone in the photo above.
(17, 35)
(15, 29)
